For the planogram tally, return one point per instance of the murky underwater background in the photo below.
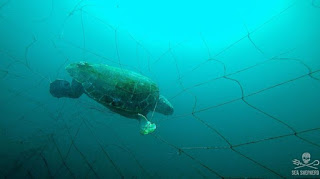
(243, 77)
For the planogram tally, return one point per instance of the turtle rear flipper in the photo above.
(164, 106)
(62, 88)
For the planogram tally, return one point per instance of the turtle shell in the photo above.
(122, 91)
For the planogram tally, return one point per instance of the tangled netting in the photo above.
(246, 104)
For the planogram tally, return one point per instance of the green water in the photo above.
(243, 78)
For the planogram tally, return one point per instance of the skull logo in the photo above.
(306, 157)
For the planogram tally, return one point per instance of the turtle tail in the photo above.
(62, 88)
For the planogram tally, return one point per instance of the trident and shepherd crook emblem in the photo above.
(306, 157)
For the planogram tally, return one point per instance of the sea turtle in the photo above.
(122, 91)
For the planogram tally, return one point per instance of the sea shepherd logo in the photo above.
(306, 167)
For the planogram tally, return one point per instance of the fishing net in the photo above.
(245, 93)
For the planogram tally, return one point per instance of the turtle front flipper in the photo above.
(146, 127)
(62, 88)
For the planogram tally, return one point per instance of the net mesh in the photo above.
(225, 89)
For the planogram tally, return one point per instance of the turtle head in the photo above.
(164, 106)
(60, 88)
